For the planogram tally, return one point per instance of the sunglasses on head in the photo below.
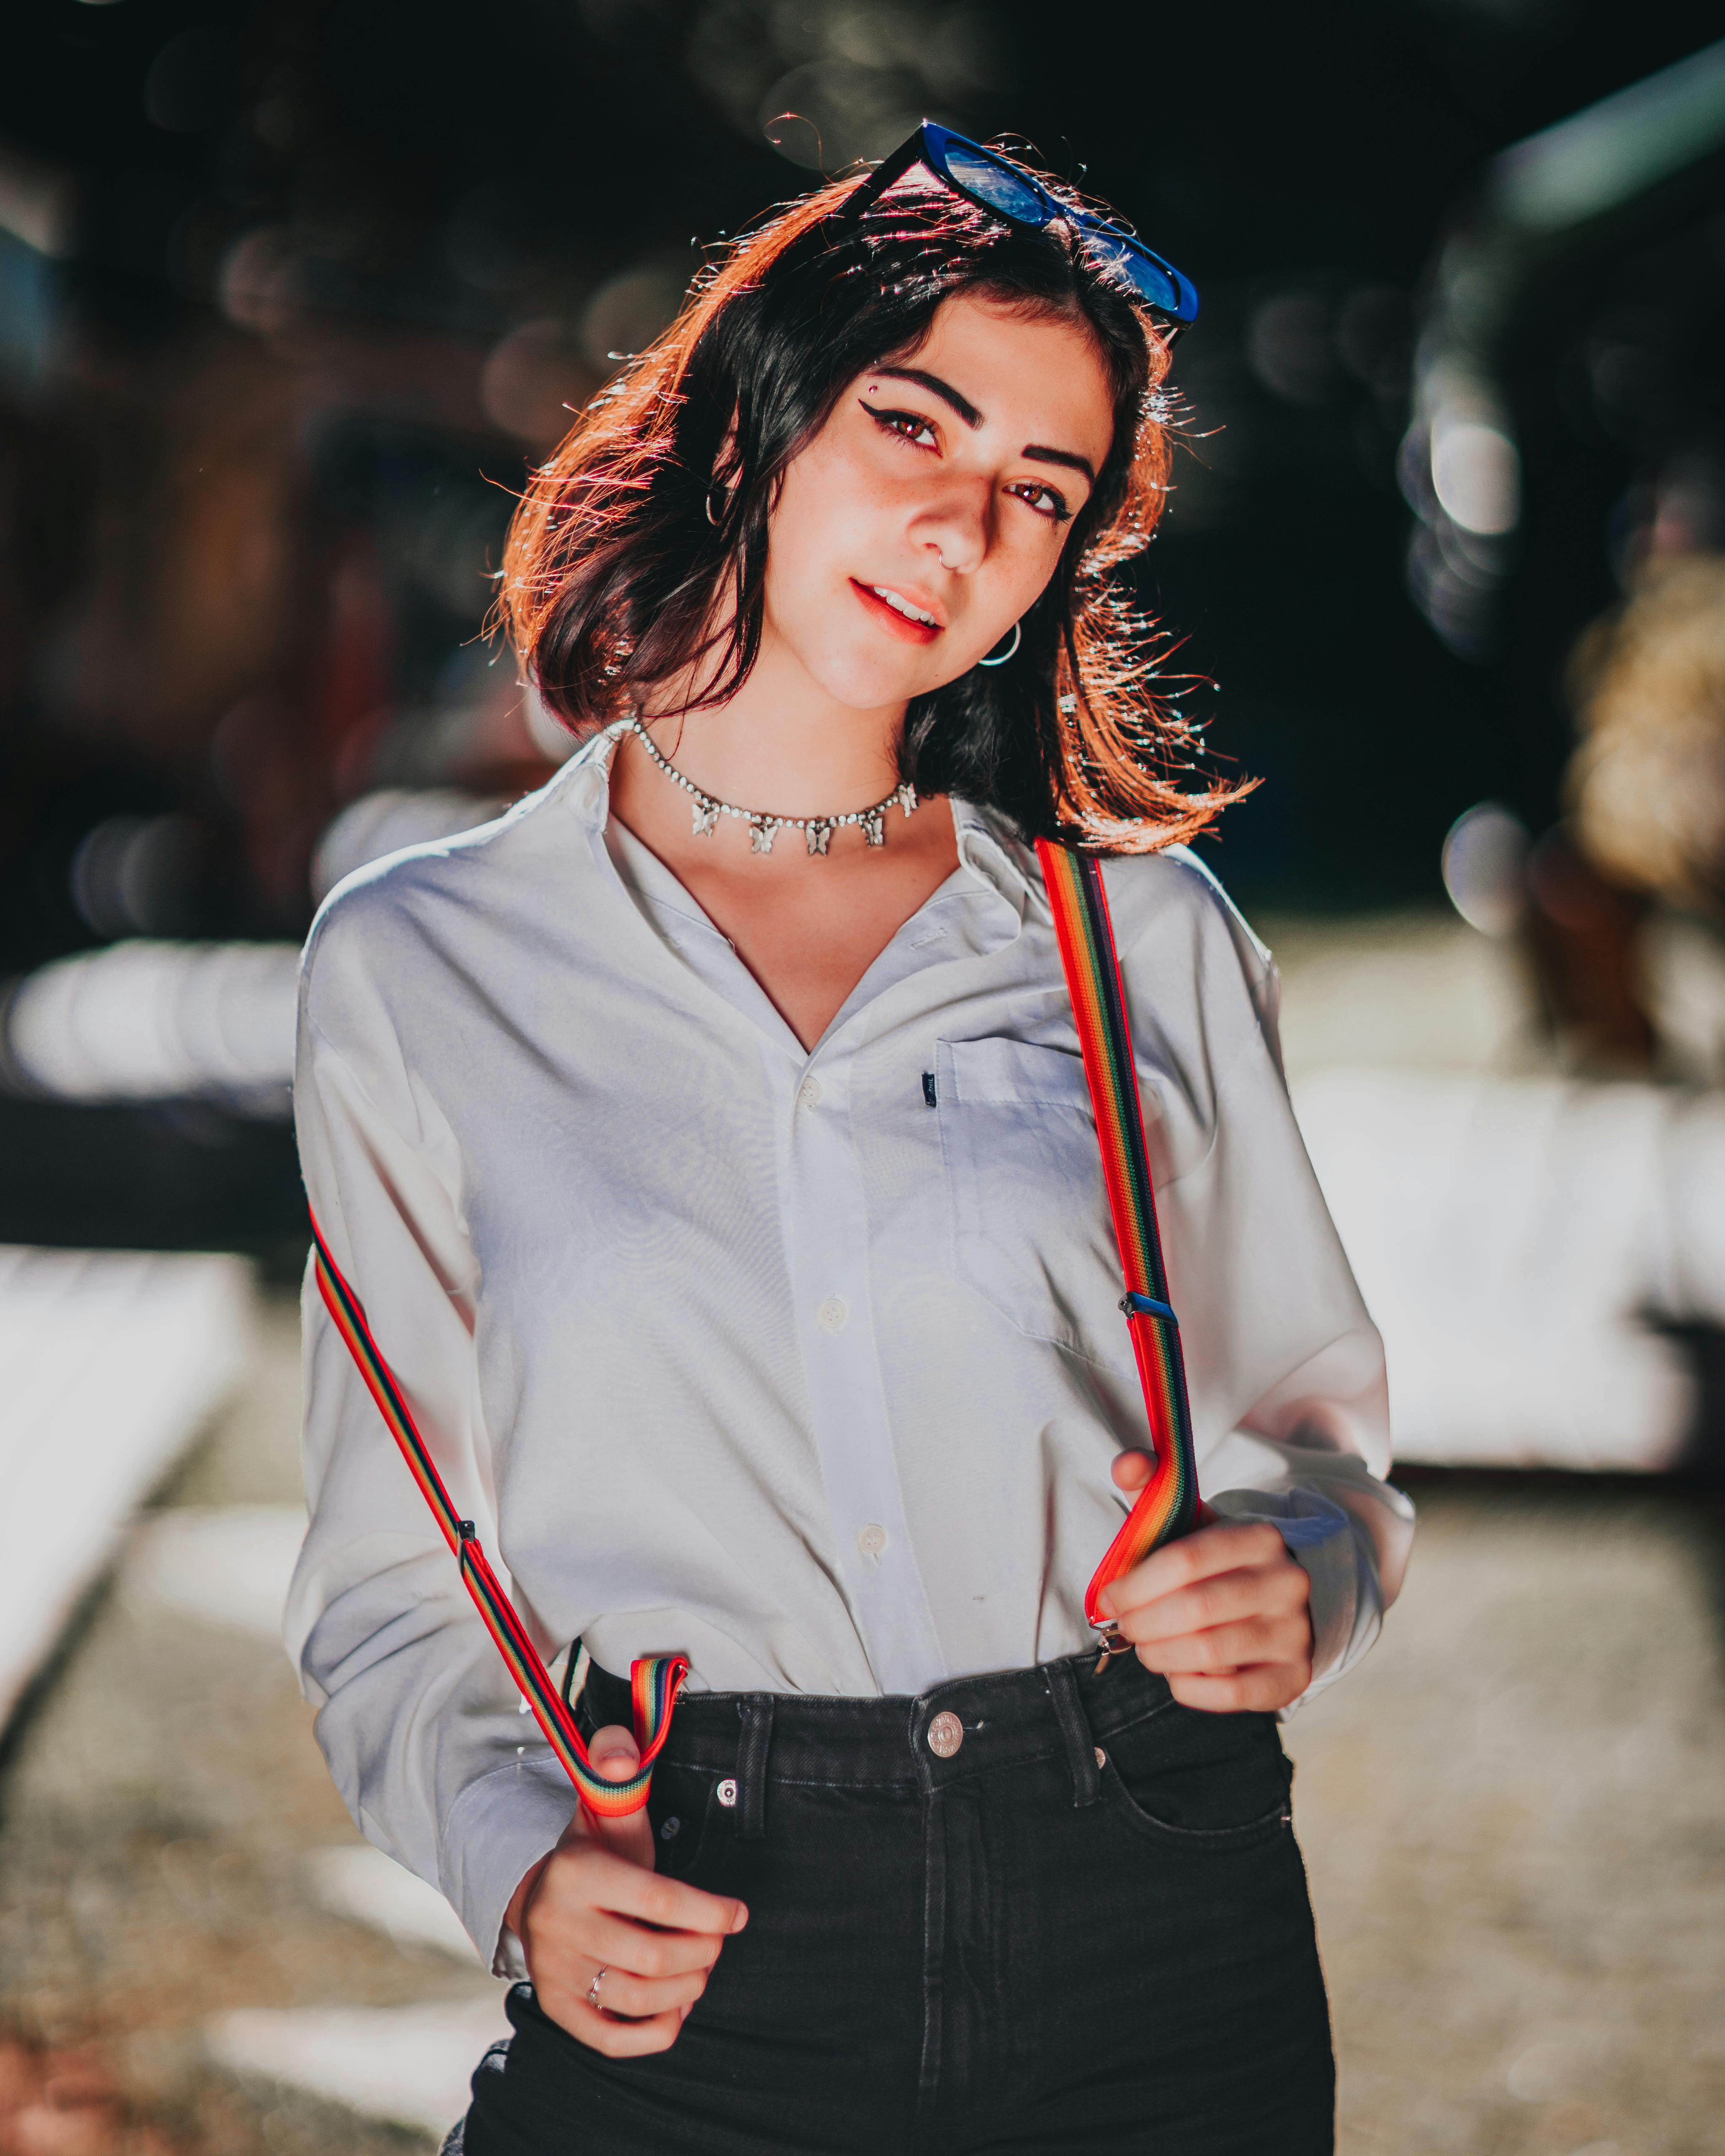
(994, 183)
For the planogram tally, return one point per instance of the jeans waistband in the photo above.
(898, 1741)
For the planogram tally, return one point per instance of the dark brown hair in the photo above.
(615, 572)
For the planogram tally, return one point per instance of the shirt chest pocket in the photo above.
(1028, 1211)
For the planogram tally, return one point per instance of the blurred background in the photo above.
(291, 295)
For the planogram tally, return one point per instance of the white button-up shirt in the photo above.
(805, 1363)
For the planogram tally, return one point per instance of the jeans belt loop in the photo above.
(751, 1750)
(1076, 1729)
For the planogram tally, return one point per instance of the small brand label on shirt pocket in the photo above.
(1029, 1214)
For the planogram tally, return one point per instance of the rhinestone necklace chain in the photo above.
(763, 828)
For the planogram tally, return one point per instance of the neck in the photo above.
(783, 743)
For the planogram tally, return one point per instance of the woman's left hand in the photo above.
(1223, 1613)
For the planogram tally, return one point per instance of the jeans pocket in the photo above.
(1187, 1780)
(679, 1804)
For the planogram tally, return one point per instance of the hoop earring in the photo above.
(1000, 658)
(715, 489)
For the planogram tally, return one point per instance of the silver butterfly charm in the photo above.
(818, 835)
(763, 830)
(706, 819)
(874, 827)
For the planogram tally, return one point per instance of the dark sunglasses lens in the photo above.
(995, 184)
(1150, 279)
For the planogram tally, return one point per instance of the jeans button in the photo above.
(946, 1733)
(727, 1793)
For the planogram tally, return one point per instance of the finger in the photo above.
(626, 1891)
(1279, 1590)
(1226, 1647)
(1131, 1469)
(613, 1754)
(617, 2039)
(647, 1972)
(1226, 1547)
(619, 1943)
(639, 1997)
(1259, 1691)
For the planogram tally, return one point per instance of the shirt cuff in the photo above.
(497, 1830)
(1336, 1554)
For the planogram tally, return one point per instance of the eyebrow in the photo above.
(944, 390)
(1046, 456)
(972, 418)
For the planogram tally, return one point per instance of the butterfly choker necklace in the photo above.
(763, 829)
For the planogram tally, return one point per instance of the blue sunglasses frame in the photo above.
(993, 182)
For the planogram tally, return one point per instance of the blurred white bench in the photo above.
(111, 1363)
(1511, 1237)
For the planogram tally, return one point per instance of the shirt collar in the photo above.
(584, 782)
(991, 849)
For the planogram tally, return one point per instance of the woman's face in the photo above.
(929, 512)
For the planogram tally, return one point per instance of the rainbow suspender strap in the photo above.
(653, 1679)
(1168, 1505)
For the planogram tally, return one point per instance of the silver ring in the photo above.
(592, 1989)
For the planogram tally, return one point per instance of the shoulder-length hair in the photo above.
(638, 554)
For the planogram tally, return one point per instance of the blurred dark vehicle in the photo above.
(1567, 460)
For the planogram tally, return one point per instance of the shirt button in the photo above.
(808, 1093)
(946, 1733)
(872, 1540)
(833, 1313)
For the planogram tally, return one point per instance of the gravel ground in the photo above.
(157, 1808)
(1512, 1816)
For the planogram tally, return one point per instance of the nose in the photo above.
(955, 527)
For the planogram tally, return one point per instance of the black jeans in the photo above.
(1086, 1927)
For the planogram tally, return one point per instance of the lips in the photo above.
(891, 620)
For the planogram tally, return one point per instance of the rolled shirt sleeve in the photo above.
(1285, 1364)
(424, 1734)
(1347, 1531)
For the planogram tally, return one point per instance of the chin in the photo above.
(874, 678)
(865, 682)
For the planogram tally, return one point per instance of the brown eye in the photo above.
(1046, 500)
(909, 426)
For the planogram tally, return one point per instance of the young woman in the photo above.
(709, 1144)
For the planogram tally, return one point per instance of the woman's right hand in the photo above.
(597, 1903)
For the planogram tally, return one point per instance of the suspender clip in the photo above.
(1110, 1644)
